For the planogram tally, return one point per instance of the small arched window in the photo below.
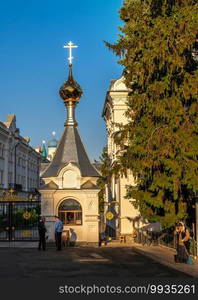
(70, 212)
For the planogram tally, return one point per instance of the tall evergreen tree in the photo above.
(156, 47)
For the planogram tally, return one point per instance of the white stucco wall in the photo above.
(114, 112)
(27, 161)
(88, 199)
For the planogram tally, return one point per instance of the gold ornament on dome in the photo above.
(70, 90)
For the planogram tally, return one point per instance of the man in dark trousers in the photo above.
(58, 232)
(42, 231)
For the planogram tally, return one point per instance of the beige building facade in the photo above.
(19, 162)
(126, 217)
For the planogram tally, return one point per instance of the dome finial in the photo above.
(70, 90)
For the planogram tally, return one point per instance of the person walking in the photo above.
(58, 232)
(42, 230)
(182, 237)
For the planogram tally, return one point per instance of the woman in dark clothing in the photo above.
(42, 231)
(182, 237)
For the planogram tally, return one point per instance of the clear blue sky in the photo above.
(33, 64)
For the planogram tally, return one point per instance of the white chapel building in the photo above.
(70, 179)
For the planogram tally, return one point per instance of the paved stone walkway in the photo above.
(94, 263)
(161, 254)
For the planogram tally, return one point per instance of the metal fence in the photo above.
(150, 238)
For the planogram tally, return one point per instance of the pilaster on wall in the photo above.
(6, 167)
(47, 210)
(127, 211)
(93, 232)
(26, 171)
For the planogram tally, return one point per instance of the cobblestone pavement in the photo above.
(81, 262)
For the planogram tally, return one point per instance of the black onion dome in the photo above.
(70, 90)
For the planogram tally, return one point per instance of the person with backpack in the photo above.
(182, 238)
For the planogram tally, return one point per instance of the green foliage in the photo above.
(104, 178)
(155, 47)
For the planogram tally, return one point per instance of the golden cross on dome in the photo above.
(70, 46)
